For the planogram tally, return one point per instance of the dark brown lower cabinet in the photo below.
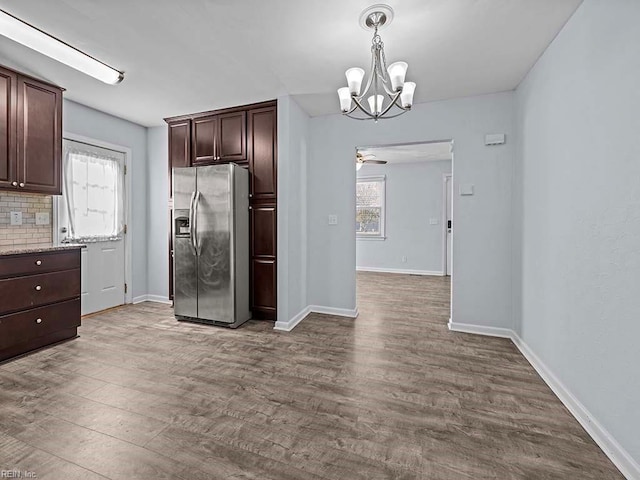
(39, 300)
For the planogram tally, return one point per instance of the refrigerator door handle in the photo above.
(191, 223)
(196, 241)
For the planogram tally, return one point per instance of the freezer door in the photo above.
(185, 265)
(214, 238)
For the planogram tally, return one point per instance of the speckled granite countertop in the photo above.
(37, 248)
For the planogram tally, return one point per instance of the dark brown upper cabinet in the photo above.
(232, 137)
(180, 143)
(39, 137)
(203, 148)
(219, 139)
(8, 158)
(30, 134)
(262, 146)
(179, 147)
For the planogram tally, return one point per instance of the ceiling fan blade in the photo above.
(379, 162)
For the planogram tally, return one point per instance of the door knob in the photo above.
(21, 185)
(38, 288)
(15, 184)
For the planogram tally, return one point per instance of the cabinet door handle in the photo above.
(38, 288)
(21, 185)
(38, 320)
(15, 184)
(38, 262)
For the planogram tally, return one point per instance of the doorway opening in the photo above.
(404, 228)
(93, 211)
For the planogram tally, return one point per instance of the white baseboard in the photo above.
(616, 453)
(400, 270)
(152, 298)
(340, 312)
(291, 323)
(480, 330)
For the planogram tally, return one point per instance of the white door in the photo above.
(91, 212)
(448, 224)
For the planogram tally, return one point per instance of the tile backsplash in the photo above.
(28, 232)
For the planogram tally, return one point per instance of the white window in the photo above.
(370, 208)
(93, 190)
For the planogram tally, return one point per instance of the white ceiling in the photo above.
(410, 153)
(187, 56)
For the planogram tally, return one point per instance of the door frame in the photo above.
(446, 178)
(128, 152)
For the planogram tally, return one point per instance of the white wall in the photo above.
(85, 121)
(578, 304)
(482, 239)
(292, 208)
(158, 205)
(414, 195)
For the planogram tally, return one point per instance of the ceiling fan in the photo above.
(361, 159)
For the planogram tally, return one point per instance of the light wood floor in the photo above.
(391, 395)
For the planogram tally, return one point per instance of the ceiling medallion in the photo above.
(383, 83)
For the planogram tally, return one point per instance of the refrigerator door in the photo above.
(185, 264)
(214, 238)
(241, 242)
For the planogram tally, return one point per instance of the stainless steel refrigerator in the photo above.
(211, 244)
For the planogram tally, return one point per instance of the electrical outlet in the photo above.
(42, 218)
(433, 221)
(16, 218)
(333, 219)
(404, 259)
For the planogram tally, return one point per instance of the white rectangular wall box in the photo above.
(466, 189)
(494, 139)
(42, 218)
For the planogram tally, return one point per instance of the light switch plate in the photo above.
(42, 218)
(333, 219)
(466, 189)
(16, 218)
(433, 221)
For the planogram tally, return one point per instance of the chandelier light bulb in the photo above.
(397, 72)
(345, 99)
(375, 104)
(354, 79)
(406, 97)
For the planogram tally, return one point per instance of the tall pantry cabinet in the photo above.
(246, 135)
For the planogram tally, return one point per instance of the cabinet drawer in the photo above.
(32, 263)
(21, 328)
(34, 290)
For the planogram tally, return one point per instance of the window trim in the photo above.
(383, 207)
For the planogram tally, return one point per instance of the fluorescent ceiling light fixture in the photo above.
(34, 38)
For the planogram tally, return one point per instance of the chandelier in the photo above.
(385, 87)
